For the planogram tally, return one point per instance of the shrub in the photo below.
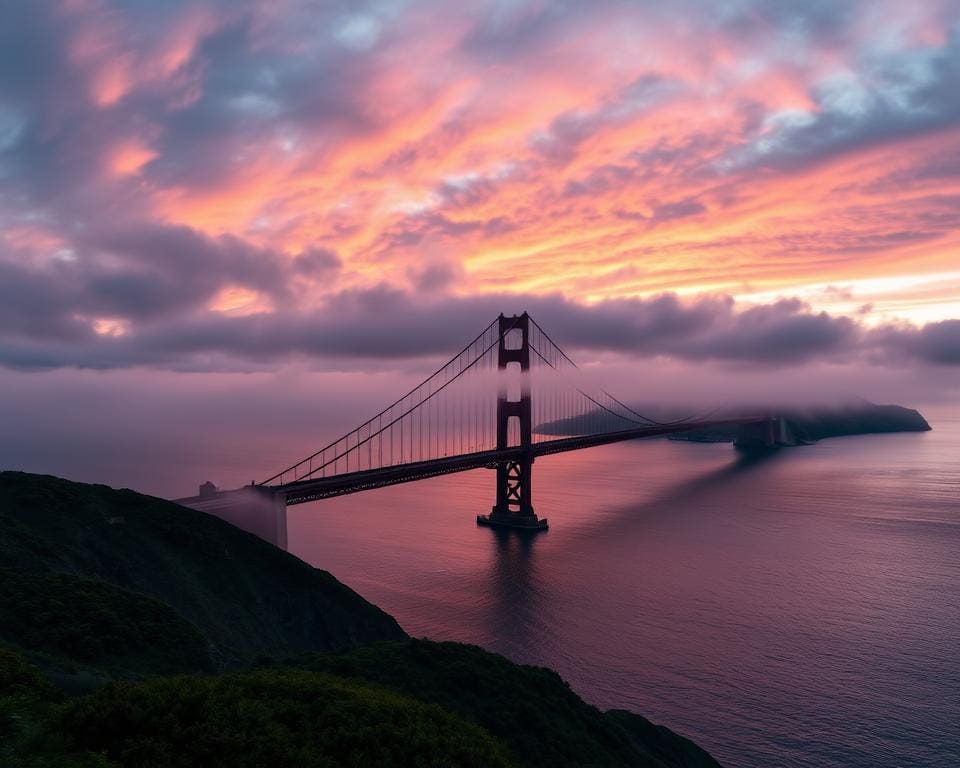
(275, 717)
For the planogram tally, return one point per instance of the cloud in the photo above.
(567, 131)
(384, 323)
(888, 98)
(678, 210)
(163, 164)
(142, 274)
(937, 342)
(316, 262)
(434, 277)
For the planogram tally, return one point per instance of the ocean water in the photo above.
(797, 610)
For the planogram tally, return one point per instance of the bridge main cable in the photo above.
(647, 419)
(382, 428)
(591, 398)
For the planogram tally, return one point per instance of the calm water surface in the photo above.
(801, 610)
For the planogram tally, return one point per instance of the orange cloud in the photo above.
(238, 301)
(625, 153)
(129, 157)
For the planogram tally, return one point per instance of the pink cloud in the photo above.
(593, 150)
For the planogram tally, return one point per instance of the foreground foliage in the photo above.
(275, 717)
(29, 736)
(88, 624)
(272, 717)
(534, 712)
(439, 704)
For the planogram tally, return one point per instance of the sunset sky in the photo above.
(194, 188)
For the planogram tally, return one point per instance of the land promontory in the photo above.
(808, 424)
(136, 632)
(805, 423)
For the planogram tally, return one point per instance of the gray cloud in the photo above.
(680, 209)
(415, 228)
(387, 323)
(944, 165)
(559, 144)
(885, 99)
(142, 273)
(825, 21)
(937, 343)
(317, 262)
(434, 277)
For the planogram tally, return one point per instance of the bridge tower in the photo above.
(514, 507)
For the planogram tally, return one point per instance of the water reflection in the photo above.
(516, 595)
(678, 496)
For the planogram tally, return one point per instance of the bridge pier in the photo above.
(514, 506)
(764, 435)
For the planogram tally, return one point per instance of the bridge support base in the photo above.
(766, 435)
(513, 520)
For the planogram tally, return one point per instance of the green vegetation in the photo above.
(29, 737)
(411, 703)
(272, 718)
(531, 709)
(279, 717)
(245, 596)
(93, 625)
(22, 690)
(114, 595)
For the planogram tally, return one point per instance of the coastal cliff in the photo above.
(245, 596)
(134, 632)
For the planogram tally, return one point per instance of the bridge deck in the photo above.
(302, 491)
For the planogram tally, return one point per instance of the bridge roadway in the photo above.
(301, 491)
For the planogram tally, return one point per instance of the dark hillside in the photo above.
(87, 629)
(99, 585)
(531, 709)
(245, 596)
(279, 717)
(446, 705)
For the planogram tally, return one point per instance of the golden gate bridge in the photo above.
(509, 396)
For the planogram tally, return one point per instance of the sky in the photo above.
(270, 207)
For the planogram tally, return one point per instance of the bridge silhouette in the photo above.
(511, 395)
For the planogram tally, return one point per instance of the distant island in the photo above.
(136, 632)
(804, 425)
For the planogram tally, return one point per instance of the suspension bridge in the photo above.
(511, 395)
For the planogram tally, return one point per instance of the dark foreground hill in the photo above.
(530, 709)
(132, 602)
(401, 703)
(246, 597)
